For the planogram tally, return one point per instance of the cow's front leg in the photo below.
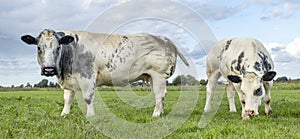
(210, 89)
(68, 99)
(230, 95)
(245, 116)
(267, 99)
(88, 90)
(159, 89)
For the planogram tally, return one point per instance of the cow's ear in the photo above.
(269, 76)
(29, 39)
(66, 40)
(234, 78)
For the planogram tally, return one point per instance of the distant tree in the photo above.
(57, 85)
(191, 80)
(52, 84)
(28, 85)
(21, 86)
(185, 80)
(42, 84)
(203, 82)
(179, 80)
(283, 79)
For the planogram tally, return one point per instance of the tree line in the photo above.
(42, 84)
(180, 80)
(187, 80)
(285, 79)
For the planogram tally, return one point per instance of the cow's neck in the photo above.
(65, 62)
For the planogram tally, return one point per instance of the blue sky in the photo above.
(274, 22)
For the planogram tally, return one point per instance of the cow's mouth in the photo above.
(49, 71)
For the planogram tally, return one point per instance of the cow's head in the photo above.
(48, 49)
(251, 89)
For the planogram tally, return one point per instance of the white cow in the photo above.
(247, 65)
(84, 60)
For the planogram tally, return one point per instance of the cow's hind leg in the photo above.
(230, 95)
(68, 99)
(267, 99)
(210, 88)
(159, 89)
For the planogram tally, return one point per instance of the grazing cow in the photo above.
(84, 60)
(247, 65)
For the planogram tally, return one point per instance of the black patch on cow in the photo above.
(268, 101)
(65, 63)
(232, 64)
(84, 63)
(227, 44)
(257, 66)
(266, 66)
(242, 71)
(125, 39)
(240, 60)
(76, 37)
(258, 92)
(89, 99)
(171, 71)
(120, 54)
(59, 35)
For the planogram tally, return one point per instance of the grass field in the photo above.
(35, 114)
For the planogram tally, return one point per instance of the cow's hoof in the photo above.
(156, 114)
(64, 115)
(269, 112)
(232, 111)
(246, 117)
(206, 110)
(90, 114)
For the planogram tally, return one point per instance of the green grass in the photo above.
(35, 114)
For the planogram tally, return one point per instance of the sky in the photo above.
(193, 25)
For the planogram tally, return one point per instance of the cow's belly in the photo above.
(118, 78)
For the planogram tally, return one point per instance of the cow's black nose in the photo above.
(49, 71)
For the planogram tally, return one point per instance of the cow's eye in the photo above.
(258, 92)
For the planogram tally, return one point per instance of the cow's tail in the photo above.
(177, 51)
(182, 57)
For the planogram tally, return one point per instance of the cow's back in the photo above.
(240, 55)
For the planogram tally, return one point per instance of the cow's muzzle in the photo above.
(49, 71)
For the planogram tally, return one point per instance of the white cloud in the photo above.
(16, 71)
(293, 48)
(274, 48)
(212, 10)
(286, 57)
(282, 10)
(284, 53)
